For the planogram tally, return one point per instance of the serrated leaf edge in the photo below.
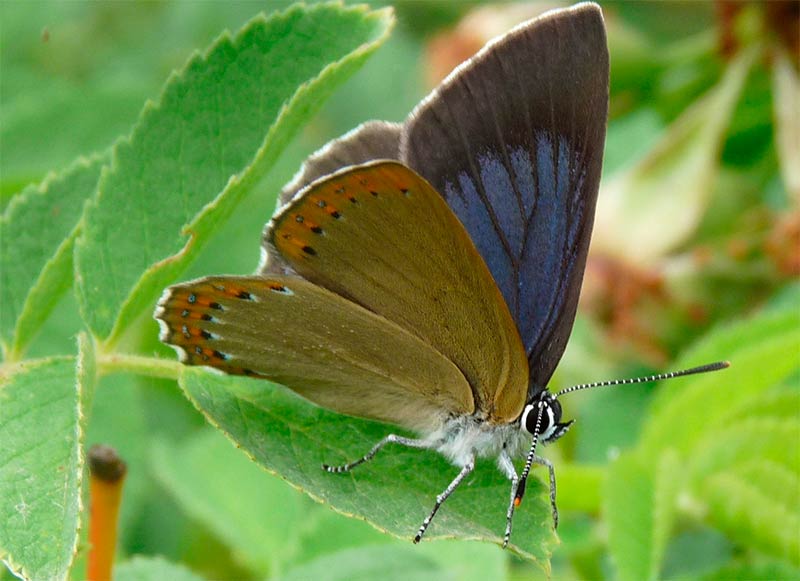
(168, 268)
(15, 350)
(545, 566)
(6, 373)
(724, 482)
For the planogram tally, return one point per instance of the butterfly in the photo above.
(427, 274)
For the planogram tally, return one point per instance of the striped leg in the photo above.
(390, 439)
(546, 462)
(468, 467)
(507, 467)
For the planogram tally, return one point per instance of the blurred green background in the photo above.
(702, 153)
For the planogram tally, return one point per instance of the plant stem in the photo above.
(107, 475)
(147, 366)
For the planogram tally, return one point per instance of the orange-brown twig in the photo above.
(107, 475)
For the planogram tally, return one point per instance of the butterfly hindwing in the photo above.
(367, 142)
(328, 349)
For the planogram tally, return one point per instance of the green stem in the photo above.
(147, 366)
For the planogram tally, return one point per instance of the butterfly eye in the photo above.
(529, 416)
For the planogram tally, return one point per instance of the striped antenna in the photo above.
(658, 377)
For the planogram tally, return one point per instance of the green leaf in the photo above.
(668, 481)
(758, 363)
(326, 532)
(152, 569)
(218, 126)
(37, 232)
(256, 514)
(779, 403)
(749, 571)
(466, 560)
(86, 369)
(695, 551)
(639, 509)
(774, 439)
(747, 512)
(779, 483)
(724, 342)
(42, 461)
(580, 487)
(722, 423)
(385, 562)
(628, 511)
(731, 337)
(394, 492)
(674, 179)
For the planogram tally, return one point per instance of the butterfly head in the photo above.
(550, 426)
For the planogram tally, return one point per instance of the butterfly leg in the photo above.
(390, 439)
(468, 467)
(546, 462)
(507, 467)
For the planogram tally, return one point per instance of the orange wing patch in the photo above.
(188, 317)
(294, 233)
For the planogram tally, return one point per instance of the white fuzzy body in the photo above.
(464, 438)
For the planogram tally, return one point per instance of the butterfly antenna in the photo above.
(523, 479)
(658, 377)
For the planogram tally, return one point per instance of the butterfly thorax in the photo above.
(465, 437)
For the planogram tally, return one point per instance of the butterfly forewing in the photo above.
(326, 348)
(379, 235)
(514, 142)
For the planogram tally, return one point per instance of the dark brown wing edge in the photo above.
(513, 139)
